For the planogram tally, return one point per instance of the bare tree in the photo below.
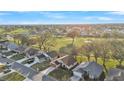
(73, 34)
(118, 51)
(45, 40)
(86, 50)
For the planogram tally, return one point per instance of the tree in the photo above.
(118, 51)
(105, 52)
(86, 50)
(73, 34)
(96, 49)
(46, 40)
(16, 34)
(69, 49)
(24, 39)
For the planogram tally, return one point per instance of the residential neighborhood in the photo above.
(62, 52)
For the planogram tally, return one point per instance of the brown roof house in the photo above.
(31, 52)
(65, 62)
(52, 54)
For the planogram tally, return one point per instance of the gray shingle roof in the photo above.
(92, 68)
(26, 71)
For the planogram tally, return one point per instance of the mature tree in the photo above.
(96, 46)
(105, 52)
(86, 50)
(118, 51)
(69, 49)
(46, 40)
(24, 39)
(75, 32)
(16, 34)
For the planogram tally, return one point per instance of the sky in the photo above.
(61, 17)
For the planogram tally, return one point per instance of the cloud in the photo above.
(117, 13)
(54, 15)
(102, 18)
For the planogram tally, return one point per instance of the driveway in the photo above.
(45, 72)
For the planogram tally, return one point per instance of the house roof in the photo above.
(20, 48)
(115, 74)
(11, 46)
(92, 68)
(68, 60)
(26, 71)
(41, 56)
(52, 54)
(31, 51)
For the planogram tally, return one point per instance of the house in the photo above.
(52, 55)
(20, 49)
(26, 71)
(115, 74)
(88, 71)
(31, 52)
(41, 58)
(68, 62)
(65, 62)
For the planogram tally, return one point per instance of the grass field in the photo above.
(64, 41)
(13, 77)
(41, 66)
(61, 74)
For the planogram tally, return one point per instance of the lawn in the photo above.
(13, 77)
(61, 74)
(2, 67)
(18, 56)
(63, 41)
(41, 66)
(8, 53)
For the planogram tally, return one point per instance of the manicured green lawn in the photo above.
(63, 41)
(41, 66)
(18, 56)
(13, 77)
(61, 74)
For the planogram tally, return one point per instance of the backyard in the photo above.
(13, 77)
(18, 57)
(8, 53)
(41, 66)
(61, 74)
